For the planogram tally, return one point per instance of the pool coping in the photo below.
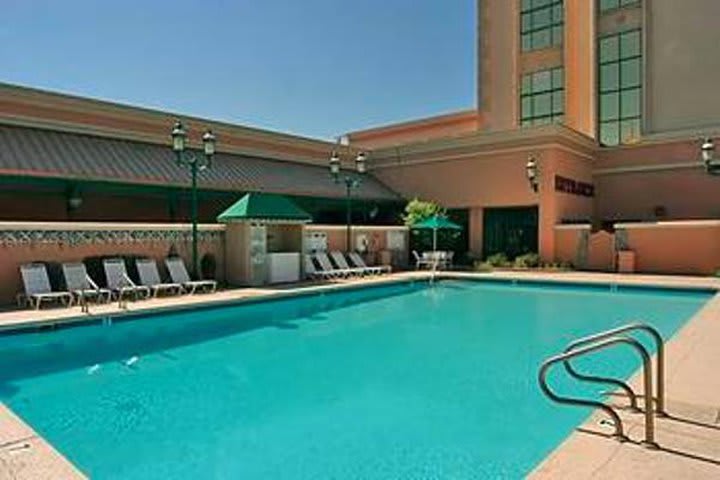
(48, 318)
(38, 459)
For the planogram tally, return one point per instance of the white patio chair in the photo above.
(150, 277)
(119, 281)
(421, 262)
(37, 287)
(179, 274)
(79, 283)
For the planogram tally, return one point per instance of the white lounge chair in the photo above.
(79, 283)
(179, 274)
(360, 263)
(327, 266)
(342, 264)
(119, 282)
(312, 272)
(150, 277)
(37, 287)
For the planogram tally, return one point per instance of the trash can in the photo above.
(626, 261)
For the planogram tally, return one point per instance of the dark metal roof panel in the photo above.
(49, 153)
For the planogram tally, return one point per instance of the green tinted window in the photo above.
(630, 73)
(542, 98)
(609, 5)
(541, 24)
(542, 81)
(620, 85)
(609, 49)
(609, 77)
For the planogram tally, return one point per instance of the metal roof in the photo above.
(49, 153)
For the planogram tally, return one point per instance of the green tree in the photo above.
(418, 210)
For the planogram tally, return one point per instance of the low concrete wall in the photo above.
(682, 247)
(24, 242)
(376, 237)
(569, 244)
(689, 247)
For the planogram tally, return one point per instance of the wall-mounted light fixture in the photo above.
(73, 198)
(532, 172)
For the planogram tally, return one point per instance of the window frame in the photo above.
(620, 89)
(557, 86)
(552, 28)
(619, 5)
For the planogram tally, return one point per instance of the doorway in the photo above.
(512, 231)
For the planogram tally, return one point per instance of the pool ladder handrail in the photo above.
(600, 343)
(660, 365)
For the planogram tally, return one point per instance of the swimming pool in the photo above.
(401, 381)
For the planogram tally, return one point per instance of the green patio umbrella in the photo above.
(435, 223)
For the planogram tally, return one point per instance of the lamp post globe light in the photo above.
(196, 164)
(351, 182)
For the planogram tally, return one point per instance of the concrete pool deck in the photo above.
(689, 439)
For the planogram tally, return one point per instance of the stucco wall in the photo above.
(580, 85)
(683, 70)
(497, 180)
(632, 181)
(418, 131)
(675, 247)
(498, 78)
(12, 255)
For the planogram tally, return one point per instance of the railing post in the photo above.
(649, 441)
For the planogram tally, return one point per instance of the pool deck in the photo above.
(689, 439)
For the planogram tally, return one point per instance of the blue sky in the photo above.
(310, 67)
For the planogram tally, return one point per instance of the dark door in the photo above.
(512, 231)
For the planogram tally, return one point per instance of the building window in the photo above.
(620, 85)
(609, 5)
(542, 97)
(541, 24)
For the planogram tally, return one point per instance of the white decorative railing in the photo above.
(25, 233)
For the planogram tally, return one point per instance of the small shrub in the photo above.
(529, 260)
(498, 260)
(482, 267)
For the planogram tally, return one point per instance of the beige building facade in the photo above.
(612, 97)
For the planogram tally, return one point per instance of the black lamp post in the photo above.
(712, 166)
(197, 164)
(350, 183)
(532, 172)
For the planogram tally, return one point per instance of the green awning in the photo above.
(264, 207)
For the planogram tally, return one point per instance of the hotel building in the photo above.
(610, 97)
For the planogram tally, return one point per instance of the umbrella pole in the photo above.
(435, 258)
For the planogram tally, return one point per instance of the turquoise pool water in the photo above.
(403, 381)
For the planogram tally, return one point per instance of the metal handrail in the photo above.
(660, 373)
(619, 434)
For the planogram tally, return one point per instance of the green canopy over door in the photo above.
(265, 207)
